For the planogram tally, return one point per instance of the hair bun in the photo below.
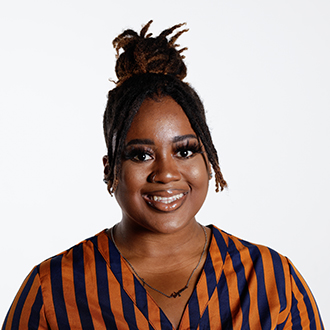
(146, 54)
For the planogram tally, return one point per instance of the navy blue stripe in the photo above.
(296, 320)
(194, 310)
(35, 311)
(263, 304)
(220, 242)
(128, 309)
(306, 298)
(115, 263)
(80, 289)
(57, 292)
(205, 320)
(103, 288)
(242, 284)
(279, 278)
(141, 298)
(165, 324)
(223, 295)
(22, 298)
(210, 275)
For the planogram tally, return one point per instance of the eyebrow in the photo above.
(150, 142)
(184, 137)
(140, 141)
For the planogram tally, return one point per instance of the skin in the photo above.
(160, 235)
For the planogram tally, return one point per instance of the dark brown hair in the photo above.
(150, 68)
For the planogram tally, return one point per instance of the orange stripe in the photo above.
(185, 321)
(250, 275)
(300, 305)
(46, 286)
(153, 313)
(128, 280)
(215, 254)
(214, 311)
(233, 294)
(270, 285)
(91, 286)
(14, 304)
(288, 324)
(26, 310)
(69, 292)
(103, 246)
(303, 312)
(288, 294)
(202, 293)
(311, 298)
(141, 321)
(116, 301)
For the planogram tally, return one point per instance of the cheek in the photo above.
(197, 174)
(131, 179)
(126, 192)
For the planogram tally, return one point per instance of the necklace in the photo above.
(175, 293)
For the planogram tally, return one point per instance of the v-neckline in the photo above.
(197, 302)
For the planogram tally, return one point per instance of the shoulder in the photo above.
(266, 280)
(239, 246)
(255, 261)
(74, 257)
(260, 275)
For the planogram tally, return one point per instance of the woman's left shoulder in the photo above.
(271, 277)
(252, 255)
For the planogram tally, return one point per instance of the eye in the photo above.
(187, 150)
(141, 157)
(184, 153)
(138, 154)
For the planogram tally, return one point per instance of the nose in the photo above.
(165, 170)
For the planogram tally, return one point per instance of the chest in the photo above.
(103, 293)
(172, 293)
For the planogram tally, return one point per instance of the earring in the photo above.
(110, 189)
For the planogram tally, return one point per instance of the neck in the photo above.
(137, 241)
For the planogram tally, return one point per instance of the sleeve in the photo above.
(27, 310)
(304, 313)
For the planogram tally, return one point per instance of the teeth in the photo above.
(167, 200)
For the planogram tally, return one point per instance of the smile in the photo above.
(164, 202)
(167, 200)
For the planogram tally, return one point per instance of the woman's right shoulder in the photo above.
(73, 257)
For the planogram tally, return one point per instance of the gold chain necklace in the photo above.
(175, 293)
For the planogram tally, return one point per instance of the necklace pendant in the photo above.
(178, 293)
(175, 294)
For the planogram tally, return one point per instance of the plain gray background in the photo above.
(261, 68)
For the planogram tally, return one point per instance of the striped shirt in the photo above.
(90, 286)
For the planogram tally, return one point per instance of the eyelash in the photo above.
(194, 147)
(136, 153)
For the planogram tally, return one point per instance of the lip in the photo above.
(165, 201)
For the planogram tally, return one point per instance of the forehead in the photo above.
(159, 118)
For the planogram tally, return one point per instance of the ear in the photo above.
(106, 165)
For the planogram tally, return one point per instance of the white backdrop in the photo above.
(262, 69)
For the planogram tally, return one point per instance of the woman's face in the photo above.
(164, 176)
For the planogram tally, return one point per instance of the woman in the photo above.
(158, 268)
